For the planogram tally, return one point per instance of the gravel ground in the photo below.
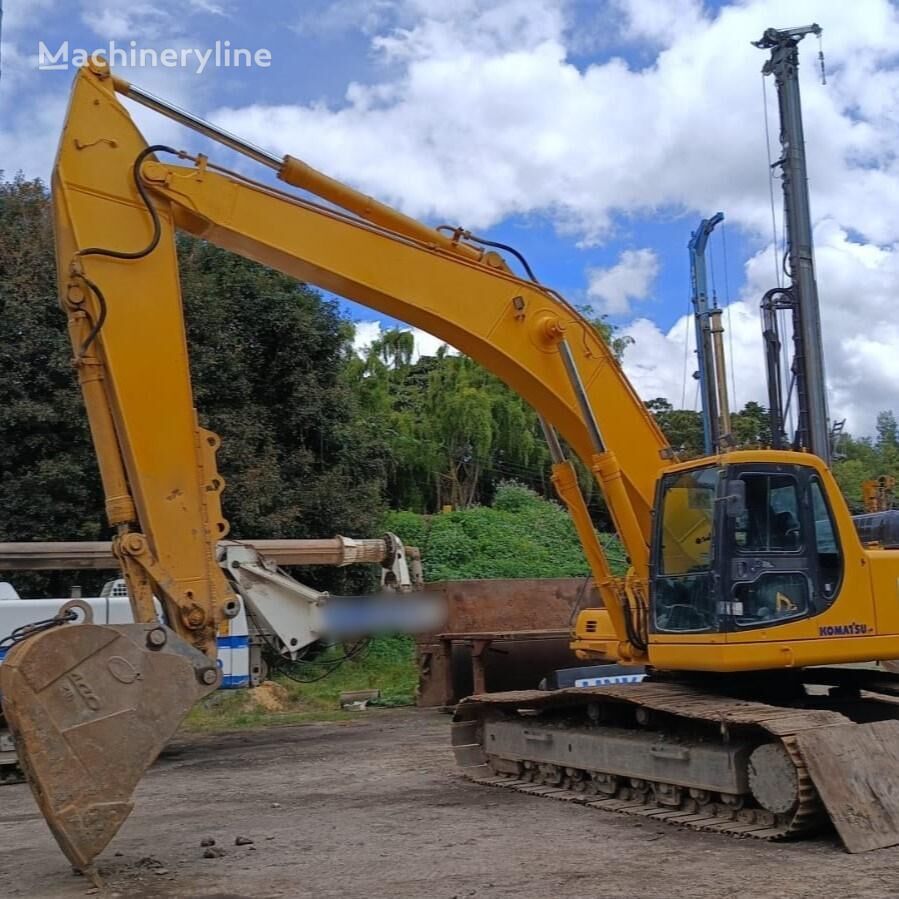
(374, 808)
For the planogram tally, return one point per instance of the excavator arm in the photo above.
(72, 693)
(117, 205)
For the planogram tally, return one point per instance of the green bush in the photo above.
(522, 535)
(514, 497)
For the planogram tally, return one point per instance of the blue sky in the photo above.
(591, 134)
(314, 61)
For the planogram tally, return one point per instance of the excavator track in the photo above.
(716, 723)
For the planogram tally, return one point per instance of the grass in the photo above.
(387, 665)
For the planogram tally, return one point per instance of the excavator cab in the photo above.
(742, 546)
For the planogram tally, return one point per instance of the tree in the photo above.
(454, 429)
(49, 484)
(682, 427)
(615, 341)
(396, 348)
(751, 426)
(863, 459)
(392, 397)
(268, 362)
(520, 534)
(887, 440)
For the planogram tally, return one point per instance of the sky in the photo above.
(593, 135)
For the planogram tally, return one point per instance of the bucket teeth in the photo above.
(90, 707)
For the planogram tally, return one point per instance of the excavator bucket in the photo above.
(853, 767)
(90, 707)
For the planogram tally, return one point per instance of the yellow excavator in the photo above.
(747, 578)
(879, 494)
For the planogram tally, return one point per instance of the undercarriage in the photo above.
(696, 754)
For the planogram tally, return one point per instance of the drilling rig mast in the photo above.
(801, 296)
(709, 346)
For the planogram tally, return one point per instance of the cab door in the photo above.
(773, 550)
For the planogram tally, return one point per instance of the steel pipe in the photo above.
(336, 551)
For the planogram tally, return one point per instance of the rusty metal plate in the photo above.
(854, 768)
(90, 707)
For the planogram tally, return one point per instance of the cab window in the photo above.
(687, 516)
(830, 562)
(683, 599)
(770, 522)
(771, 599)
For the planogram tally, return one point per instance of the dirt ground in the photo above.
(375, 808)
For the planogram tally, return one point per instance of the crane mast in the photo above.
(801, 297)
(709, 351)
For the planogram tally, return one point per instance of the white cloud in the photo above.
(24, 14)
(29, 128)
(208, 7)
(856, 282)
(16, 69)
(147, 21)
(337, 16)
(658, 364)
(367, 332)
(484, 116)
(631, 278)
(124, 19)
(659, 20)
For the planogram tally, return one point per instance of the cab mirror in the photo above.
(735, 498)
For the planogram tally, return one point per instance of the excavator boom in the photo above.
(69, 692)
(108, 188)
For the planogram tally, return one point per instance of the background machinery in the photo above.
(279, 616)
(711, 370)
(879, 494)
(747, 577)
(279, 619)
(800, 297)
